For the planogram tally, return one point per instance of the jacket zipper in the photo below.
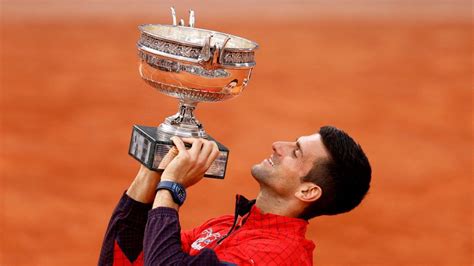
(220, 240)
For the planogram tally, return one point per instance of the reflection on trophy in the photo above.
(194, 65)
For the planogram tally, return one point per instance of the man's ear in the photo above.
(308, 192)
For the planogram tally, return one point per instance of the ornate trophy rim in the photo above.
(205, 32)
(210, 49)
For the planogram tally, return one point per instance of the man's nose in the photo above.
(278, 147)
(275, 146)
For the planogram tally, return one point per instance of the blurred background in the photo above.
(396, 75)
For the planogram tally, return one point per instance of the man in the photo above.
(325, 173)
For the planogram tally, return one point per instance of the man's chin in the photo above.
(259, 172)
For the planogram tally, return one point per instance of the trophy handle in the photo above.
(207, 58)
(173, 15)
(192, 19)
(205, 55)
(221, 54)
(210, 59)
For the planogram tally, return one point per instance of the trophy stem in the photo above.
(183, 123)
(186, 114)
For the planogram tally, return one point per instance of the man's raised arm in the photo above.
(162, 242)
(123, 241)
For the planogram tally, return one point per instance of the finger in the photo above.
(168, 157)
(212, 157)
(173, 151)
(196, 148)
(179, 144)
(188, 142)
(205, 153)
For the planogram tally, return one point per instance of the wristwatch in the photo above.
(177, 191)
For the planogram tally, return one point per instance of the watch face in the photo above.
(180, 193)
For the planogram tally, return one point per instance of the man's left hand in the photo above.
(189, 165)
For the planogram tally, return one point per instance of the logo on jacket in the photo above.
(207, 238)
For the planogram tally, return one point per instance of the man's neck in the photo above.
(268, 203)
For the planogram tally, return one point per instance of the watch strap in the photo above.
(178, 192)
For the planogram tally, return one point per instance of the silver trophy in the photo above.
(194, 65)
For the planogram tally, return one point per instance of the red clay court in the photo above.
(397, 76)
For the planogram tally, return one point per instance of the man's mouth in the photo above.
(270, 161)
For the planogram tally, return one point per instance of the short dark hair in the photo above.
(344, 177)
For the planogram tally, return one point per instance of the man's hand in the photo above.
(189, 166)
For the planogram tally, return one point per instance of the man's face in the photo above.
(281, 173)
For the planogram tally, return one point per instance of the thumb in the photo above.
(168, 157)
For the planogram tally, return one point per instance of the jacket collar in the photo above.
(243, 205)
(259, 220)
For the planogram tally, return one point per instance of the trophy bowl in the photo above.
(193, 65)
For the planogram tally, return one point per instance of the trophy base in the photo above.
(149, 146)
